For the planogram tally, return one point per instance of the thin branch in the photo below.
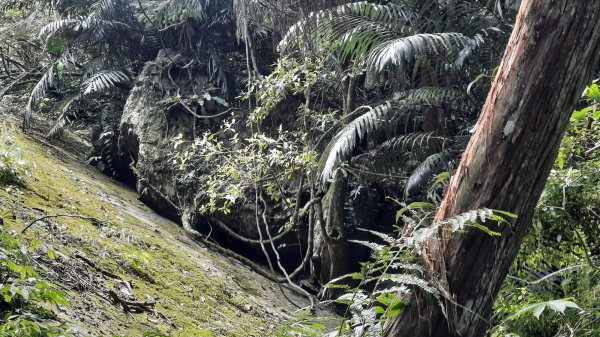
(96, 220)
(308, 205)
(287, 276)
(244, 239)
(588, 152)
(131, 306)
(95, 266)
(262, 246)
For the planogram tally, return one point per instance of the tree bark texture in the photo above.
(551, 56)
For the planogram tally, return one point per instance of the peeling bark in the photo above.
(551, 56)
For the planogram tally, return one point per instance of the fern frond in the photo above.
(407, 266)
(199, 6)
(386, 119)
(62, 119)
(412, 280)
(103, 80)
(174, 12)
(57, 127)
(359, 27)
(473, 217)
(353, 29)
(49, 29)
(417, 141)
(402, 50)
(434, 164)
(40, 89)
(392, 290)
(388, 239)
(111, 9)
(372, 245)
(349, 137)
(439, 96)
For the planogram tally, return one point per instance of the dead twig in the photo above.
(95, 220)
(131, 306)
(95, 266)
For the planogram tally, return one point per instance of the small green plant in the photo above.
(383, 285)
(14, 169)
(23, 292)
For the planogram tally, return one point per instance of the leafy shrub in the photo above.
(23, 290)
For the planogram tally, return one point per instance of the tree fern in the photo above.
(349, 137)
(62, 119)
(402, 50)
(103, 80)
(434, 164)
(388, 117)
(39, 90)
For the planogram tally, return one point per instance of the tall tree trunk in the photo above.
(551, 56)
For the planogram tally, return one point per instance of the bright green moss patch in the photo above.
(194, 291)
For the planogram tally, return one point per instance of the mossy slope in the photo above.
(197, 292)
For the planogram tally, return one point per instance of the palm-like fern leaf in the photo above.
(439, 96)
(416, 141)
(49, 29)
(62, 119)
(434, 164)
(355, 27)
(349, 137)
(40, 89)
(174, 12)
(388, 159)
(103, 80)
(393, 121)
(405, 49)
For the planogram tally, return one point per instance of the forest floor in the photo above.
(129, 270)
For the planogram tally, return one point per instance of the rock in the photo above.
(145, 132)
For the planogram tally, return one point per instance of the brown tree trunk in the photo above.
(551, 56)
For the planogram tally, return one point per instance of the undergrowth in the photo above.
(384, 285)
(14, 169)
(24, 294)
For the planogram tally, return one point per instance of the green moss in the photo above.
(191, 287)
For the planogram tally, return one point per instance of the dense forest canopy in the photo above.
(334, 147)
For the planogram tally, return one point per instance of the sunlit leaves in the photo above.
(536, 309)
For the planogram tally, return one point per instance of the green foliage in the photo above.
(14, 169)
(23, 291)
(382, 286)
(290, 76)
(304, 324)
(559, 259)
(240, 165)
(409, 47)
(536, 309)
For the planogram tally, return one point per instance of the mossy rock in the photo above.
(195, 292)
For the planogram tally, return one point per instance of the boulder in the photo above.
(145, 135)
